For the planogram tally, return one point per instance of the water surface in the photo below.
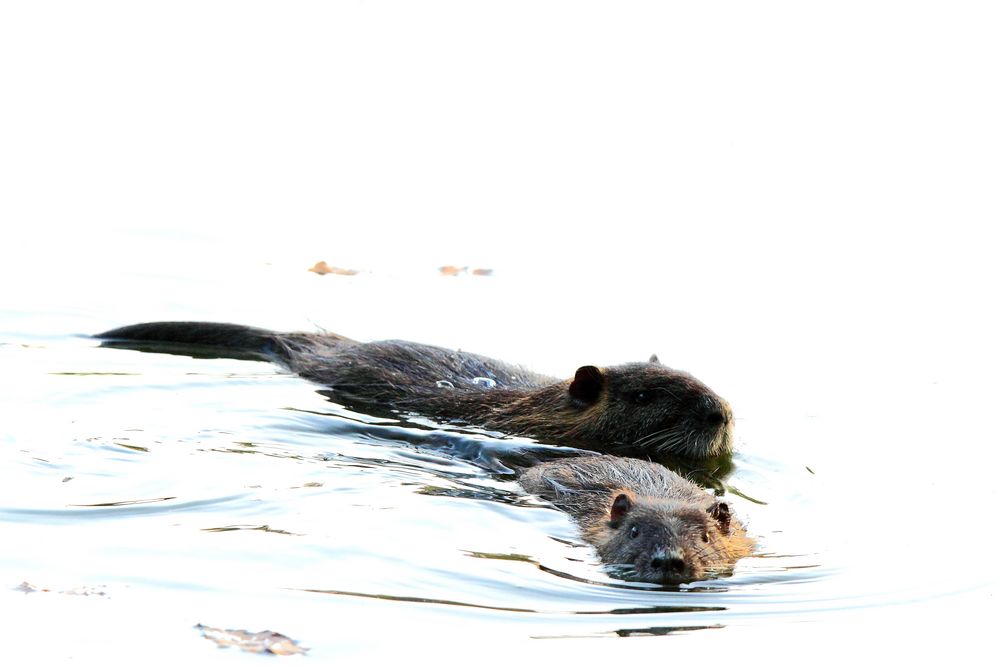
(181, 490)
(794, 202)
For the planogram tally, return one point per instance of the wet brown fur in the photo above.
(641, 406)
(646, 522)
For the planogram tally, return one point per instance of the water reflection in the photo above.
(121, 509)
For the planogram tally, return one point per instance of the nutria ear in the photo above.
(720, 512)
(587, 384)
(620, 507)
(654, 359)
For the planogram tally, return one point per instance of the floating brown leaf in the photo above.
(253, 642)
(458, 270)
(322, 268)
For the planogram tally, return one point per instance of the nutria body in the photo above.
(646, 522)
(644, 407)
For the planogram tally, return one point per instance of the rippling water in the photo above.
(792, 202)
(180, 490)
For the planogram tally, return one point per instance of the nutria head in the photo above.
(666, 541)
(650, 407)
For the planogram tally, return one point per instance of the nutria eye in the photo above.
(634, 532)
(704, 536)
(642, 397)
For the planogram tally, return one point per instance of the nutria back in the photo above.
(645, 407)
(646, 522)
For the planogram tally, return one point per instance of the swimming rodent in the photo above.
(647, 523)
(644, 407)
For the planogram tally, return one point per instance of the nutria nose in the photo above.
(717, 416)
(671, 564)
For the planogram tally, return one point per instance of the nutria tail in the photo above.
(224, 340)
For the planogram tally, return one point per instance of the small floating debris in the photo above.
(489, 383)
(253, 642)
(263, 529)
(322, 268)
(26, 587)
(459, 270)
(498, 556)
(124, 503)
(444, 384)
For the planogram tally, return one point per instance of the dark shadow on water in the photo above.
(422, 600)
(649, 631)
(664, 631)
(658, 609)
(658, 631)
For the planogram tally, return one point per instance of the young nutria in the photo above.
(646, 522)
(642, 406)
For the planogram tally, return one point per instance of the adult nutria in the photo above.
(645, 407)
(646, 522)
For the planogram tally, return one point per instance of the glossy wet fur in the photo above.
(645, 407)
(646, 522)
